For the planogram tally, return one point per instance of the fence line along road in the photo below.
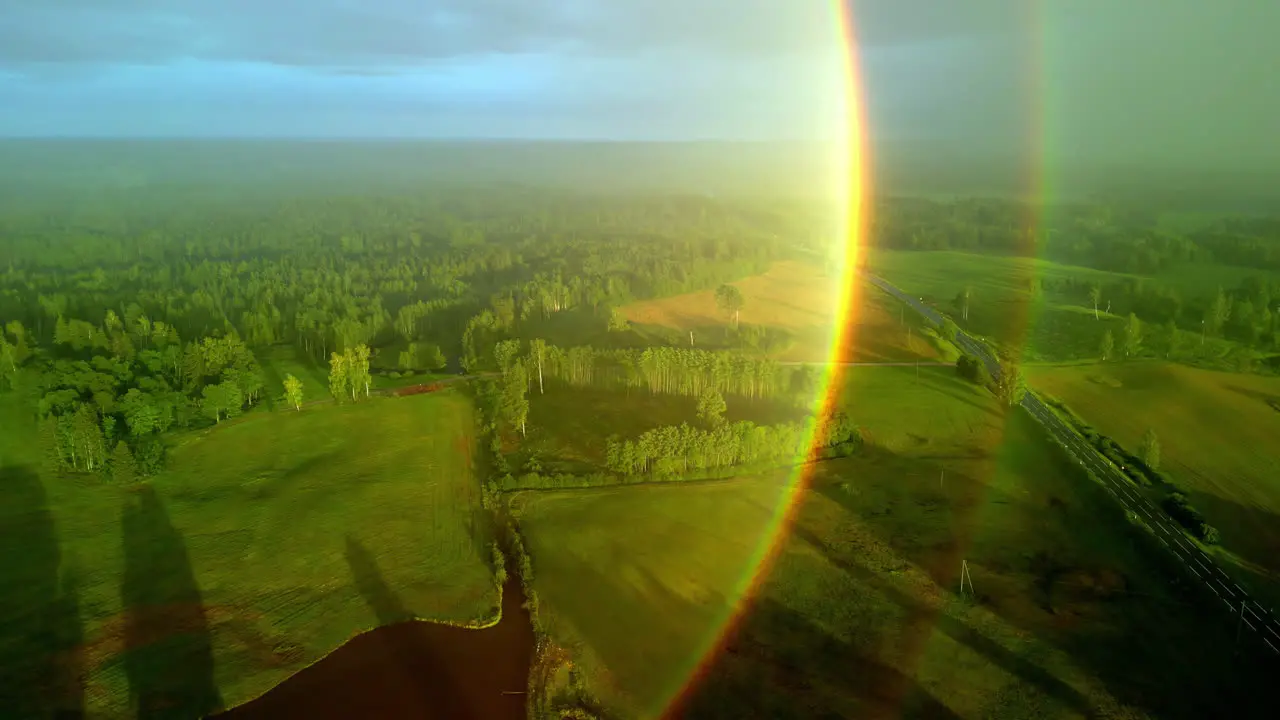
(1249, 612)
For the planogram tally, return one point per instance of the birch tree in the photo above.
(293, 391)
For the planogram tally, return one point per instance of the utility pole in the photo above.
(964, 575)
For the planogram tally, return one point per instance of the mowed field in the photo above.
(1218, 438)
(858, 613)
(268, 544)
(799, 300)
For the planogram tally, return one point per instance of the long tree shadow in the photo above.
(923, 618)
(779, 664)
(40, 629)
(386, 605)
(169, 652)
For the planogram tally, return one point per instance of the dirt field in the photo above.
(801, 301)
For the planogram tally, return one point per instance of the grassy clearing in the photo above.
(278, 361)
(857, 616)
(1217, 435)
(798, 301)
(268, 544)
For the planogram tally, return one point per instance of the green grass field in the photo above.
(858, 614)
(1217, 434)
(1052, 327)
(267, 544)
(1001, 306)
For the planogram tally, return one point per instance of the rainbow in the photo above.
(852, 192)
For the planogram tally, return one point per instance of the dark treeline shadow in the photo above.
(169, 657)
(40, 630)
(778, 664)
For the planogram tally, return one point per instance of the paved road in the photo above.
(1253, 615)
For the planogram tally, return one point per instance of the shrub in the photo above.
(1209, 534)
(1180, 509)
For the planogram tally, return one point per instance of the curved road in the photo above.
(1248, 611)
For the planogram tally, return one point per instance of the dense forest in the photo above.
(123, 325)
(127, 315)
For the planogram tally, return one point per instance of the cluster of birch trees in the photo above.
(349, 373)
(674, 450)
(660, 370)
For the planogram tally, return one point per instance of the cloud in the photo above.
(355, 33)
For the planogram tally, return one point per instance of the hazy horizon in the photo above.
(1146, 83)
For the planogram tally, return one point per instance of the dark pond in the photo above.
(415, 670)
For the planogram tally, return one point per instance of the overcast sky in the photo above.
(1136, 77)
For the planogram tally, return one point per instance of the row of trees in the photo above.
(675, 450)
(660, 370)
(1093, 235)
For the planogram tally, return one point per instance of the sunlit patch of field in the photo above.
(1217, 434)
(802, 301)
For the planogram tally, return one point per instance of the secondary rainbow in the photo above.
(850, 190)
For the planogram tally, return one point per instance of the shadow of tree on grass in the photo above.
(40, 628)
(779, 664)
(168, 651)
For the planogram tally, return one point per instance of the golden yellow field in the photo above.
(800, 300)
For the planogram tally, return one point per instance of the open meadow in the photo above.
(798, 301)
(859, 613)
(267, 543)
(1217, 434)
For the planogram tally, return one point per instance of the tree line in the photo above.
(1097, 235)
(676, 450)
